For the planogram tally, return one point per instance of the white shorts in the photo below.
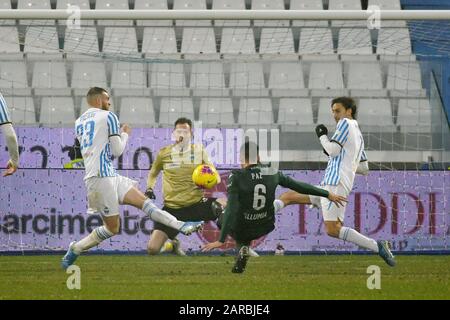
(330, 211)
(105, 194)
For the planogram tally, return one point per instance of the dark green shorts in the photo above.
(246, 234)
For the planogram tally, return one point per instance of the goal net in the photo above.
(272, 76)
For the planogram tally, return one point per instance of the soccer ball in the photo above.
(205, 176)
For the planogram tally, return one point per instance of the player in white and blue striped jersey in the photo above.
(347, 157)
(10, 137)
(100, 137)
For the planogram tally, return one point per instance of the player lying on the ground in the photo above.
(250, 212)
(346, 157)
(10, 137)
(182, 198)
(99, 135)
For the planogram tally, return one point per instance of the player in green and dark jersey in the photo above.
(250, 212)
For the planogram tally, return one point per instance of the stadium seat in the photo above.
(13, 78)
(9, 40)
(325, 79)
(247, 79)
(295, 115)
(6, 5)
(57, 111)
(389, 5)
(394, 41)
(191, 5)
(375, 115)
(404, 80)
(159, 41)
(120, 40)
(346, 5)
(21, 110)
(386, 4)
(167, 79)
(128, 75)
(174, 108)
(216, 112)
(207, 79)
(86, 75)
(113, 5)
(230, 5)
(256, 112)
(269, 5)
(137, 111)
(50, 78)
(286, 80)
(152, 5)
(414, 115)
(307, 5)
(237, 41)
(316, 41)
(39, 40)
(324, 115)
(365, 80)
(81, 41)
(277, 40)
(354, 41)
(198, 40)
(35, 4)
(82, 4)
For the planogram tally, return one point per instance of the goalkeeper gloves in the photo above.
(321, 130)
(150, 194)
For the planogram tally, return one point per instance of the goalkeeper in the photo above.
(182, 198)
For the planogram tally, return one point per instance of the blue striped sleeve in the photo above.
(4, 117)
(113, 124)
(363, 156)
(341, 134)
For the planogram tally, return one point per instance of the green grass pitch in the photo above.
(209, 277)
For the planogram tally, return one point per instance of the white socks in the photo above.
(161, 216)
(351, 235)
(98, 235)
(278, 205)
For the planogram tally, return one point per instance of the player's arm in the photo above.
(10, 137)
(229, 216)
(157, 166)
(305, 188)
(118, 137)
(363, 166)
(332, 147)
(206, 160)
(13, 148)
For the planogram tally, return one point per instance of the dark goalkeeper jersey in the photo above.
(250, 199)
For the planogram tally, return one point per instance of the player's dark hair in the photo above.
(248, 149)
(94, 91)
(347, 102)
(183, 120)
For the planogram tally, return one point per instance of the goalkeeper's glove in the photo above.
(325, 151)
(321, 130)
(150, 194)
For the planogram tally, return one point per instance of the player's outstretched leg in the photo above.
(70, 257)
(241, 260)
(190, 227)
(385, 252)
(137, 199)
